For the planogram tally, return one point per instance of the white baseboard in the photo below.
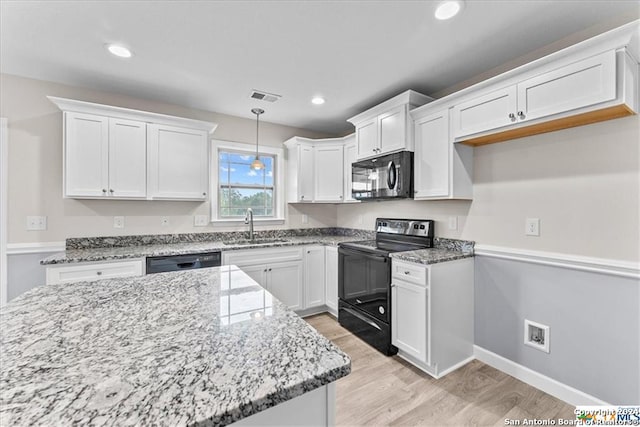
(34, 248)
(542, 382)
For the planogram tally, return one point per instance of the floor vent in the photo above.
(264, 96)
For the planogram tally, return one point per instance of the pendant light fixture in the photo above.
(257, 164)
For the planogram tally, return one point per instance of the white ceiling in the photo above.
(210, 54)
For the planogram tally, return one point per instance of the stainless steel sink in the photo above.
(252, 242)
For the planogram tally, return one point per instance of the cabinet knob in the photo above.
(104, 190)
(521, 114)
(265, 270)
(110, 190)
(204, 194)
(407, 272)
(99, 273)
(341, 197)
(269, 269)
(512, 116)
(301, 197)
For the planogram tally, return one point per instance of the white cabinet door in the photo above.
(127, 158)
(314, 276)
(432, 156)
(305, 173)
(331, 278)
(329, 173)
(178, 163)
(367, 138)
(257, 273)
(285, 283)
(581, 84)
(350, 156)
(409, 319)
(392, 130)
(86, 155)
(490, 111)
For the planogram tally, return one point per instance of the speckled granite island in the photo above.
(199, 347)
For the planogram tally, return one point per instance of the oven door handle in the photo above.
(361, 317)
(379, 258)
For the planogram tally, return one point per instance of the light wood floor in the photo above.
(389, 391)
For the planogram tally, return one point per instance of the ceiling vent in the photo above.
(264, 96)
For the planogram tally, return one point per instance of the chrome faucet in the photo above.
(248, 219)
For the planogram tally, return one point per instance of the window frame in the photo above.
(218, 145)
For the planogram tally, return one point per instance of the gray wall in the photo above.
(594, 322)
(24, 272)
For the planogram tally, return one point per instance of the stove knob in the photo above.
(381, 309)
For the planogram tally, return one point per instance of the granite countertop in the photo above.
(183, 348)
(141, 251)
(432, 255)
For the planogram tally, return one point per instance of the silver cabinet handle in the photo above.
(104, 190)
(99, 273)
(269, 269)
(407, 272)
(204, 194)
(512, 116)
(111, 190)
(301, 197)
(521, 114)
(264, 271)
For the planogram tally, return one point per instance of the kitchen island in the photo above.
(199, 347)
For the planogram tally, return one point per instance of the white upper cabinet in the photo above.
(442, 169)
(317, 169)
(86, 155)
(118, 153)
(387, 127)
(127, 158)
(350, 156)
(575, 90)
(329, 183)
(178, 163)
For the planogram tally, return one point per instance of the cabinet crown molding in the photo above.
(410, 97)
(73, 105)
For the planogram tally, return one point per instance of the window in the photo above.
(237, 187)
(241, 187)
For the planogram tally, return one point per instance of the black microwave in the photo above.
(385, 177)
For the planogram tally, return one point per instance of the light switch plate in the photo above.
(118, 222)
(453, 223)
(36, 223)
(532, 227)
(200, 220)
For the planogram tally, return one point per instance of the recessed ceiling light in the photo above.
(318, 100)
(448, 9)
(119, 50)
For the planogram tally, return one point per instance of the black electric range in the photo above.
(364, 278)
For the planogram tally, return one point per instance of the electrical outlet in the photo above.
(305, 219)
(164, 221)
(532, 227)
(453, 223)
(118, 222)
(200, 220)
(35, 223)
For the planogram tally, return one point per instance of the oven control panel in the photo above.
(407, 227)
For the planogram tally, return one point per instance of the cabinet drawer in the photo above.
(88, 272)
(409, 272)
(261, 256)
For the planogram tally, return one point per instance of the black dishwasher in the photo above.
(161, 264)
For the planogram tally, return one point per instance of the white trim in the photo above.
(279, 189)
(34, 248)
(4, 151)
(65, 104)
(542, 382)
(574, 262)
(456, 366)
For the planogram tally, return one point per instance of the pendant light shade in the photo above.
(257, 163)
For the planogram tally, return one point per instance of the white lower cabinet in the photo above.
(88, 271)
(314, 271)
(278, 270)
(432, 314)
(331, 279)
